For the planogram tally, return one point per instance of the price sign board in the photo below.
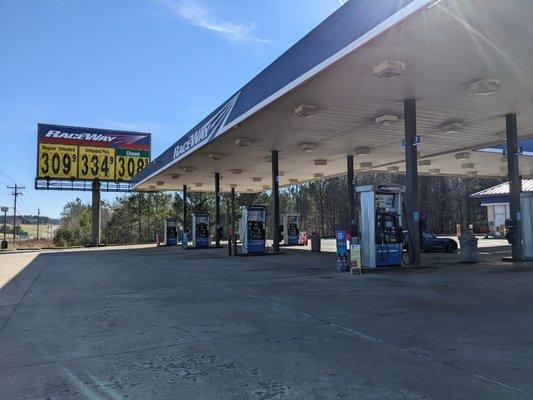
(85, 154)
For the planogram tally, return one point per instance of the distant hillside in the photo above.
(30, 220)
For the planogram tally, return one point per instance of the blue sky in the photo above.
(147, 65)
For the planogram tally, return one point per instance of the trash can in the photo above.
(468, 243)
(315, 242)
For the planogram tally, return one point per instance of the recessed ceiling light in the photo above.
(198, 184)
(232, 185)
(305, 111)
(151, 187)
(393, 169)
(243, 142)
(268, 159)
(160, 183)
(257, 179)
(361, 151)
(308, 147)
(293, 180)
(468, 165)
(504, 160)
(434, 171)
(215, 156)
(366, 165)
(471, 173)
(281, 173)
(452, 127)
(462, 156)
(175, 176)
(386, 120)
(424, 163)
(250, 190)
(236, 171)
(188, 169)
(389, 69)
(265, 187)
(321, 162)
(485, 87)
(318, 175)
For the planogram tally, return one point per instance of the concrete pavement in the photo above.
(158, 323)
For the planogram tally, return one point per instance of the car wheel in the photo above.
(450, 247)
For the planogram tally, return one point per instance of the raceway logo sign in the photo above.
(208, 131)
(92, 137)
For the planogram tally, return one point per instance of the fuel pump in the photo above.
(171, 232)
(291, 230)
(381, 225)
(252, 229)
(200, 230)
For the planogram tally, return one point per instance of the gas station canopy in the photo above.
(340, 91)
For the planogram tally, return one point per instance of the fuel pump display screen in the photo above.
(384, 201)
(255, 215)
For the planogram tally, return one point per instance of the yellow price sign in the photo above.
(58, 161)
(130, 163)
(96, 163)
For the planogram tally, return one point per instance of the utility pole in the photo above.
(4, 242)
(16, 193)
(38, 223)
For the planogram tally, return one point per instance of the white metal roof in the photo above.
(445, 49)
(503, 189)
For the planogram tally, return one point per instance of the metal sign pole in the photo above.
(96, 213)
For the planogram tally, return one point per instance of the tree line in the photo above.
(322, 205)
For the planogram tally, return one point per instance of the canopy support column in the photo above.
(515, 184)
(217, 209)
(233, 237)
(351, 196)
(275, 201)
(184, 208)
(412, 200)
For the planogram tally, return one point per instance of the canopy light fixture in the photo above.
(393, 169)
(257, 179)
(243, 142)
(266, 187)
(504, 160)
(434, 171)
(188, 169)
(485, 87)
(318, 175)
(305, 111)
(452, 127)
(321, 162)
(268, 159)
(160, 183)
(220, 177)
(250, 190)
(424, 163)
(215, 156)
(366, 165)
(232, 185)
(293, 180)
(462, 156)
(361, 151)
(386, 120)
(471, 173)
(151, 187)
(281, 173)
(389, 69)
(308, 147)
(236, 171)
(468, 165)
(198, 184)
(175, 176)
